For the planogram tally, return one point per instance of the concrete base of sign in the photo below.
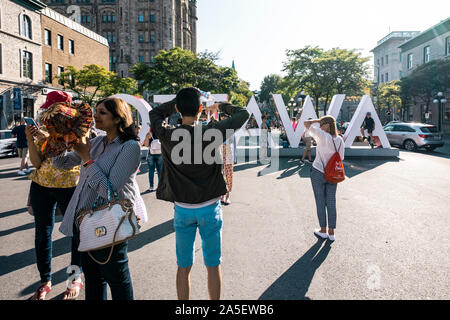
(354, 152)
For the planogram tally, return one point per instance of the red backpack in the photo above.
(334, 171)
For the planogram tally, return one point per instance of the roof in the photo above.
(400, 35)
(31, 4)
(74, 26)
(431, 33)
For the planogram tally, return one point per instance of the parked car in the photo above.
(7, 143)
(412, 136)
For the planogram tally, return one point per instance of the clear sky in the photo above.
(256, 33)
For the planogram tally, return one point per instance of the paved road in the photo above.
(391, 242)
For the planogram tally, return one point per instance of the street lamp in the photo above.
(440, 100)
(291, 106)
(301, 98)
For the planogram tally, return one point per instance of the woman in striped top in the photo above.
(114, 157)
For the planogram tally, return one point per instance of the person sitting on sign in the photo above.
(369, 125)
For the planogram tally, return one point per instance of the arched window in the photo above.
(26, 26)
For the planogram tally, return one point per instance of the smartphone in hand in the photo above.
(30, 122)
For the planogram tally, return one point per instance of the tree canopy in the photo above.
(178, 68)
(389, 95)
(93, 83)
(322, 73)
(426, 81)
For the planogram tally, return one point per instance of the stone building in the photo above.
(431, 44)
(36, 43)
(64, 43)
(387, 57)
(136, 29)
(20, 59)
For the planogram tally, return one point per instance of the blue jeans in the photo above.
(325, 196)
(154, 161)
(43, 202)
(115, 273)
(209, 222)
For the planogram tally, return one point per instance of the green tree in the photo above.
(425, 82)
(178, 68)
(322, 74)
(94, 82)
(389, 95)
(270, 84)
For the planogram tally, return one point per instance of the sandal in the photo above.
(76, 285)
(41, 292)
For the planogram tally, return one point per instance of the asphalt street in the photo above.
(391, 237)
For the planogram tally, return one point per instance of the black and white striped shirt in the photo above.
(119, 161)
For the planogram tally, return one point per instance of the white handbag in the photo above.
(106, 225)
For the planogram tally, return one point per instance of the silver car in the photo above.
(7, 143)
(412, 136)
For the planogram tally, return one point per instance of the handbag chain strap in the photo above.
(114, 239)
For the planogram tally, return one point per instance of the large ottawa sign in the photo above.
(294, 137)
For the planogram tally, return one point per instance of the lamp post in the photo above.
(301, 98)
(440, 100)
(291, 106)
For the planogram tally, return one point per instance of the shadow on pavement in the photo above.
(17, 229)
(436, 153)
(354, 166)
(57, 277)
(15, 169)
(245, 166)
(26, 258)
(295, 282)
(12, 212)
(151, 235)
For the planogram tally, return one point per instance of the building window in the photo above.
(447, 46)
(400, 57)
(26, 26)
(426, 54)
(387, 59)
(60, 42)
(378, 62)
(152, 36)
(410, 61)
(48, 73)
(109, 18)
(152, 16)
(47, 37)
(382, 78)
(60, 71)
(141, 17)
(386, 77)
(85, 19)
(27, 64)
(400, 74)
(141, 58)
(382, 61)
(141, 37)
(71, 47)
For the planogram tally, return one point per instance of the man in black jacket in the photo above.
(192, 178)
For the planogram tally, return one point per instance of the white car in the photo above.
(7, 143)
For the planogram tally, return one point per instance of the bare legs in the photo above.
(214, 282)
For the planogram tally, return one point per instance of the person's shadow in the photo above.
(295, 282)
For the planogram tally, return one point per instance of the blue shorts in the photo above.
(209, 222)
